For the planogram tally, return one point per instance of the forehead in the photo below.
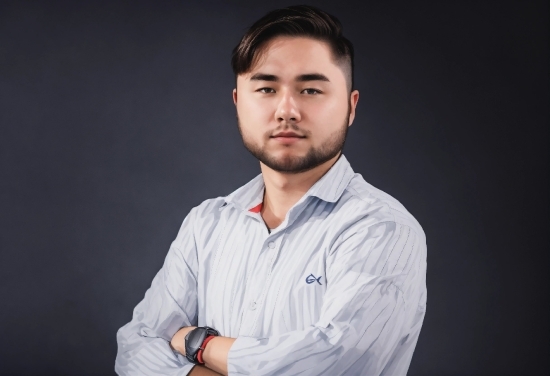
(294, 55)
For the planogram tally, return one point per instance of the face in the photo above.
(294, 107)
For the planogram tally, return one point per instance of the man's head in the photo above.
(294, 94)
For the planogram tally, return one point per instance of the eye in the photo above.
(311, 91)
(266, 90)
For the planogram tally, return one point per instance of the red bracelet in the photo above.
(201, 349)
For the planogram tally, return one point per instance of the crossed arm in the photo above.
(366, 317)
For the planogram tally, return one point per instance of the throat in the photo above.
(270, 219)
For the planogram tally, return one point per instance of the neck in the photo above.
(283, 190)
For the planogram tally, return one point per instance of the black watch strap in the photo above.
(194, 340)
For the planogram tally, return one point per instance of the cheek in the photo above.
(253, 111)
(251, 122)
(327, 113)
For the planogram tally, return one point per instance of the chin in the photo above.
(287, 155)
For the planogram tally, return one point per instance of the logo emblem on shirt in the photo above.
(311, 278)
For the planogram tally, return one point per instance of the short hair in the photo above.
(294, 21)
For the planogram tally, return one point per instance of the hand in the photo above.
(178, 340)
(202, 371)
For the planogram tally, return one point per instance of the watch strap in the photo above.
(201, 349)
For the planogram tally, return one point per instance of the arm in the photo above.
(169, 304)
(375, 286)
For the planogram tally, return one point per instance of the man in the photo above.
(307, 269)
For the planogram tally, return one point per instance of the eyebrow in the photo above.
(264, 77)
(300, 78)
(312, 77)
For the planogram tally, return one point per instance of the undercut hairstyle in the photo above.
(294, 21)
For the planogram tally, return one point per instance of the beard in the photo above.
(314, 157)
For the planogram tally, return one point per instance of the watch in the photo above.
(195, 342)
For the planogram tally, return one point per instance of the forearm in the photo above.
(143, 343)
(216, 352)
(150, 356)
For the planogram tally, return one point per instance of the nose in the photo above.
(287, 109)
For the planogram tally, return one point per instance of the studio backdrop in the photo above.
(116, 118)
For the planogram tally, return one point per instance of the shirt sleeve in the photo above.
(169, 304)
(373, 309)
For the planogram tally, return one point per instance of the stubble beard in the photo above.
(292, 164)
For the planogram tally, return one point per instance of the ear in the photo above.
(353, 99)
(235, 96)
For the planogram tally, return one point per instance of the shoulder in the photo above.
(210, 206)
(200, 220)
(207, 213)
(371, 206)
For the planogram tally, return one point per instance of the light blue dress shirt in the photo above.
(339, 288)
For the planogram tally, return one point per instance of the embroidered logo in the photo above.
(311, 278)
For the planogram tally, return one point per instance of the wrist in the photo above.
(195, 342)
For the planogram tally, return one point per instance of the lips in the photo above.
(287, 135)
(287, 138)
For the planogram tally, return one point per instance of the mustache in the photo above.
(287, 127)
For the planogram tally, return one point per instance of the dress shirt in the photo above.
(338, 288)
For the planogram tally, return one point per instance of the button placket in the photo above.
(257, 283)
(260, 280)
(272, 247)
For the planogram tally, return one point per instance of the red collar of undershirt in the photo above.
(257, 208)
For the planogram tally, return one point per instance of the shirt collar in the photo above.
(329, 188)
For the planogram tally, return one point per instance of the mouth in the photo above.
(287, 139)
(287, 135)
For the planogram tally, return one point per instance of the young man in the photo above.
(307, 269)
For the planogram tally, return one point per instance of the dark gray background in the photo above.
(116, 119)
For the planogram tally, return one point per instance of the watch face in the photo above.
(193, 341)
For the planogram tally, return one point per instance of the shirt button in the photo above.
(271, 245)
(252, 306)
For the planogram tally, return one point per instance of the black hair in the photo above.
(295, 21)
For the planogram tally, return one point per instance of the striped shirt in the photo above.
(338, 288)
